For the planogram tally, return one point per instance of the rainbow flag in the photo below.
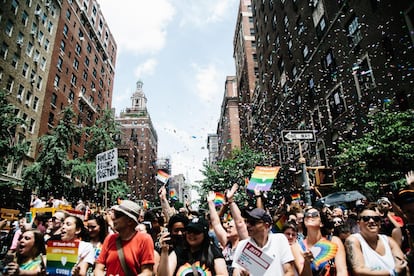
(163, 176)
(295, 197)
(281, 221)
(323, 251)
(262, 178)
(173, 194)
(219, 199)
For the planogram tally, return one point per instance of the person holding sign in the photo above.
(71, 254)
(29, 260)
(263, 253)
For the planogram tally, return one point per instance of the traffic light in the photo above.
(324, 177)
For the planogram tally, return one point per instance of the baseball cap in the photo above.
(198, 224)
(129, 208)
(259, 214)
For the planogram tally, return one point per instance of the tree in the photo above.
(237, 169)
(102, 137)
(381, 156)
(51, 171)
(10, 146)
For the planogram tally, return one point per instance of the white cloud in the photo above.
(202, 13)
(209, 82)
(147, 68)
(138, 26)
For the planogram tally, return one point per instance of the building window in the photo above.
(39, 82)
(59, 63)
(62, 46)
(65, 30)
(68, 14)
(53, 100)
(336, 103)
(73, 80)
(10, 83)
(35, 103)
(9, 28)
(305, 52)
(89, 48)
(25, 69)
(354, 32)
(51, 118)
(87, 61)
(71, 96)
(25, 16)
(56, 81)
(75, 64)
(50, 27)
(20, 92)
(3, 50)
(32, 125)
(29, 49)
(15, 60)
(286, 21)
(78, 49)
(46, 45)
(363, 75)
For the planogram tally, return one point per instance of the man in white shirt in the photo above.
(36, 202)
(275, 246)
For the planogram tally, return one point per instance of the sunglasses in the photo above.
(193, 231)
(313, 214)
(119, 214)
(374, 218)
(55, 218)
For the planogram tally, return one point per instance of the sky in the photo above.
(182, 51)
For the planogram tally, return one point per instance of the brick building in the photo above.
(138, 147)
(55, 54)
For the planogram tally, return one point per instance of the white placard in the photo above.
(107, 165)
(254, 260)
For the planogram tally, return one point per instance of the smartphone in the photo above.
(8, 258)
(28, 216)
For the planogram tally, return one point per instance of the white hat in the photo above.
(129, 208)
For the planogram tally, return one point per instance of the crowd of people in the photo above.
(360, 238)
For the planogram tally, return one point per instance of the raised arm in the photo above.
(166, 209)
(215, 219)
(236, 214)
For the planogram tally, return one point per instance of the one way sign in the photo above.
(291, 136)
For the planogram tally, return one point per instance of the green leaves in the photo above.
(381, 156)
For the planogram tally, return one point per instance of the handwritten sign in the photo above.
(61, 257)
(254, 260)
(107, 165)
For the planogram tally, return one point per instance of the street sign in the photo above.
(292, 136)
(107, 165)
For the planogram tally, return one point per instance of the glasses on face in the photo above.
(313, 214)
(56, 219)
(374, 218)
(91, 227)
(193, 231)
(118, 214)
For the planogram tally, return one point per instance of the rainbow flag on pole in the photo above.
(295, 197)
(163, 176)
(263, 177)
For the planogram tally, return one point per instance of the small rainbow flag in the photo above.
(263, 177)
(281, 221)
(218, 199)
(227, 217)
(173, 194)
(295, 197)
(163, 176)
